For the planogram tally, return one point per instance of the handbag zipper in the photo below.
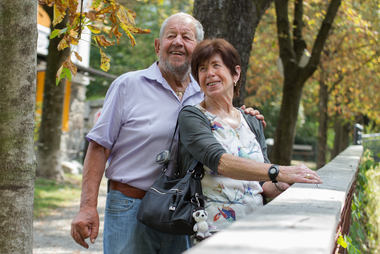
(160, 192)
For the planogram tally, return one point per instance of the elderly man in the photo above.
(137, 123)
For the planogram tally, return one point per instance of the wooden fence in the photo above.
(304, 219)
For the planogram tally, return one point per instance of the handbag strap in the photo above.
(165, 167)
(198, 169)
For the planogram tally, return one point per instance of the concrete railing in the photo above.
(303, 219)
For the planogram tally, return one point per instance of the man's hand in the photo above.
(254, 112)
(85, 225)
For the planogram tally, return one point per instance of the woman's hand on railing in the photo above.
(298, 174)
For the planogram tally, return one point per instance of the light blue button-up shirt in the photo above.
(137, 123)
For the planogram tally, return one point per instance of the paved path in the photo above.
(52, 234)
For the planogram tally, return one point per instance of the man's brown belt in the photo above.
(127, 189)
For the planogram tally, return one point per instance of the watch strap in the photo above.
(273, 172)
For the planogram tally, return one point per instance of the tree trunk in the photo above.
(282, 149)
(341, 140)
(295, 76)
(18, 44)
(234, 21)
(49, 142)
(323, 117)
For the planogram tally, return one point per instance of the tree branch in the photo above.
(283, 31)
(80, 20)
(321, 38)
(299, 43)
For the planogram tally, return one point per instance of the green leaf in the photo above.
(67, 73)
(348, 239)
(96, 4)
(62, 73)
(351, 249)
(54, 33)
(353, 206)
(57, 32)
(341, 242)
(63, 31)
(361, 234)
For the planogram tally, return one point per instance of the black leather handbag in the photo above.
(169, 204)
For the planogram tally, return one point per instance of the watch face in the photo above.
(272, 170)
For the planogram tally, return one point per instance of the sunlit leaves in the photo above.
(115, 31)
(102, 12)
(59, 14)
(102, 41)
(126, 16)
(62, 44)
(96, 3)
(94, 29)
(105, 61)
(91, 15)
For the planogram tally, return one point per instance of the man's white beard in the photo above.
(179, 71)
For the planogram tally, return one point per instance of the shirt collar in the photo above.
(154, 73)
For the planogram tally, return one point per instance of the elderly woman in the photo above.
(231, 145)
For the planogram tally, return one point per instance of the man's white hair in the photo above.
(199, 33)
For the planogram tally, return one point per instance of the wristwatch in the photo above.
(273, 172)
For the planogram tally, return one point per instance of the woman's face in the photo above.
(216, 79)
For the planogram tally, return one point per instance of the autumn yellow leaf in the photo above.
(74, 19)
(78, 20)
(61, 5)
(125, 16)
(105, 61)
(96, 3)
(102, 41)
(73, 5)
(73, 40)
(113, 17)
(134, 15)
(108, 9)
(62, 44)
(58, 75)
(137, 30)
(69, 64)
(78, 56)
(126, 30)
(115, 30)
(91, 15)
(58, 15)
(94, 29)
(106, 29)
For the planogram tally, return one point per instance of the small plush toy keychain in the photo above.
(201, 227)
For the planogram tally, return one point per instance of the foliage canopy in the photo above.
(101, 12)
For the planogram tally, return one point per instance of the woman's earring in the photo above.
(234, 83)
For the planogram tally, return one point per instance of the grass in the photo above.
(50, 195)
